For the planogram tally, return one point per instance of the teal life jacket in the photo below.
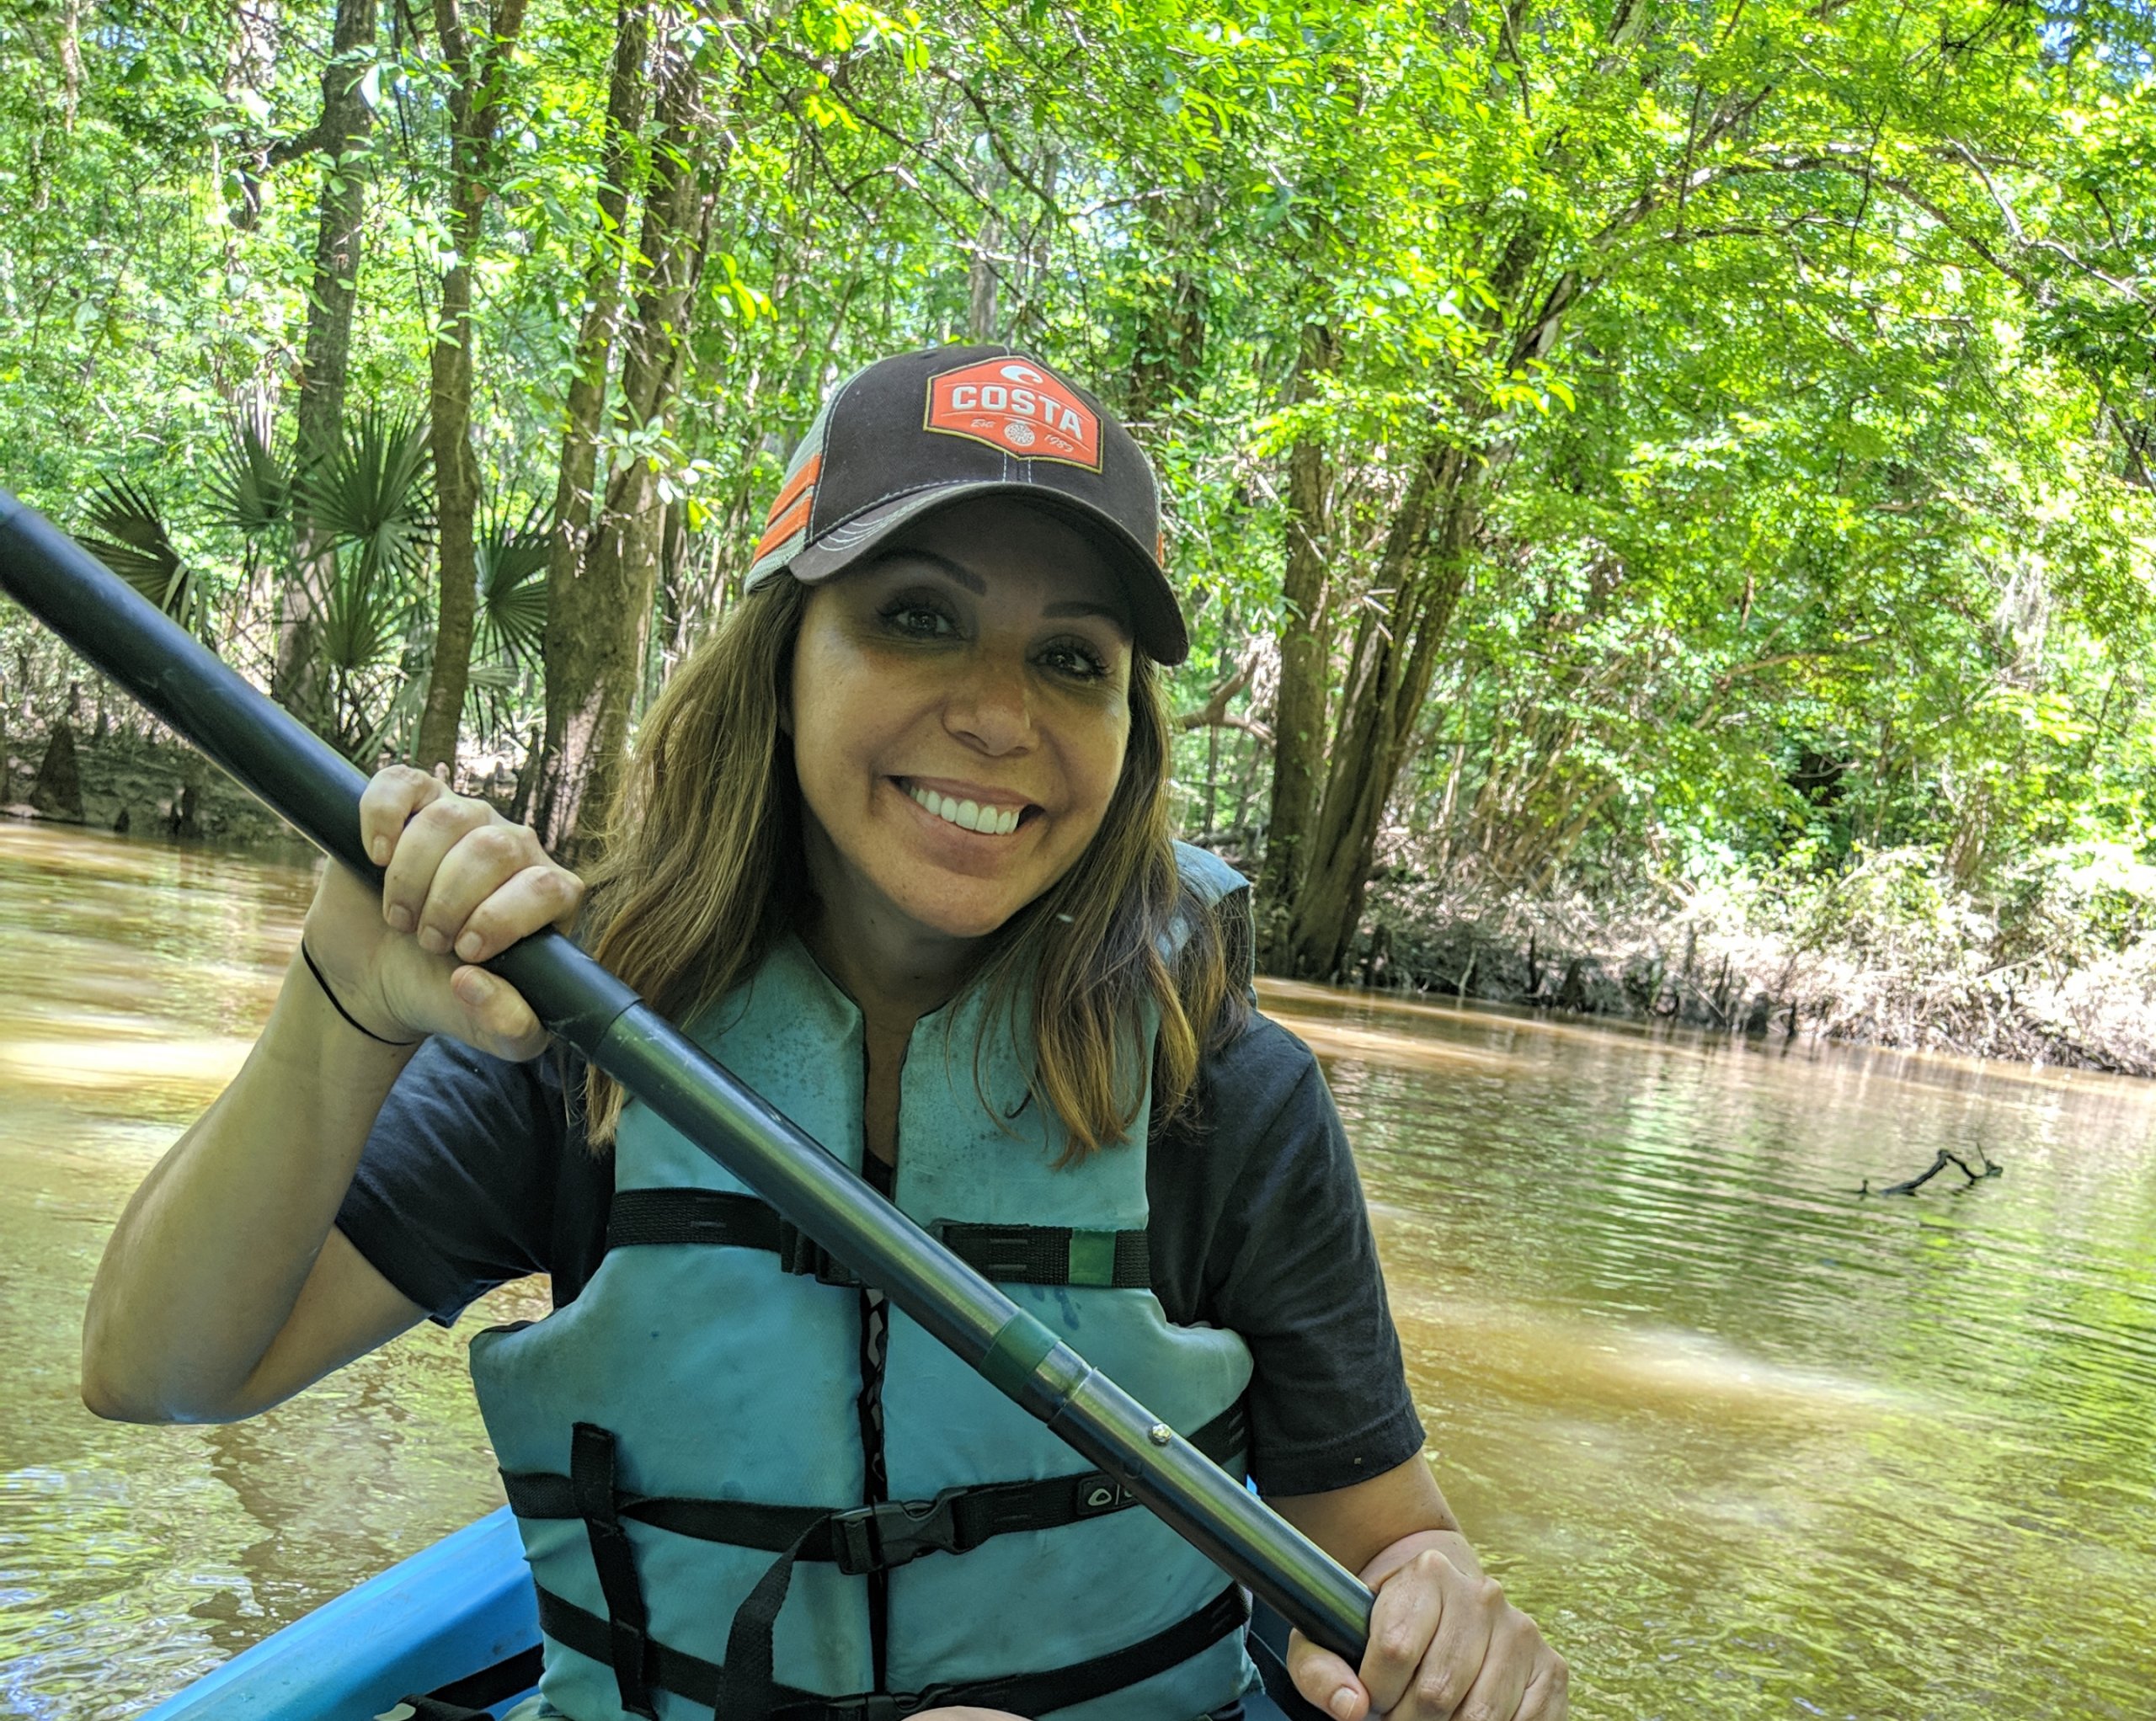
(730, 1501)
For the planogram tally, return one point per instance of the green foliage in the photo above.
(375, 495)
(251, 492)
(512, 555)
(128, 535)
(1798, 361)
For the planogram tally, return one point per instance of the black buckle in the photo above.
(800, 1253)
(1097, 1493)
(877, 1537)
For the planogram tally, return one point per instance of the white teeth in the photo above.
(967, 815)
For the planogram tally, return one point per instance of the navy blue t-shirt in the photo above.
(477, 1173)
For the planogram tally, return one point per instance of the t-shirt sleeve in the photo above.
(1291, 1265)
(457, 1188)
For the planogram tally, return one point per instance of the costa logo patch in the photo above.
(1016, 408)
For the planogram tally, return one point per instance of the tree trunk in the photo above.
(474, 103)
(597, 617)
(347, 126)
(57, 792)
(562, 649)
(1169, 349)
(1305, 660)
(1423, 567)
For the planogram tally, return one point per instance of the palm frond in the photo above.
(363, 623)
(394, 731)
(375, 492)
(512, 559)
(135, 545)
(252, 492)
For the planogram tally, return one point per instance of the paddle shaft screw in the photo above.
(1159, 1434)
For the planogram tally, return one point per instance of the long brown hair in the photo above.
(702, 870)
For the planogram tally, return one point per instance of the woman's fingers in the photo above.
(439, 826)
(532, 898)
(1414, 1614)
(467, 884)
(1548, 1696)
(1507, 1663)
(1460, 1647)
(1325, 1679)
(476, 869)
(391, 797)
(496, 1018)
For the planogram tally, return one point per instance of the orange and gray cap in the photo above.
(907, 435)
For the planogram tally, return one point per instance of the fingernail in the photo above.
(432, 941)
(399, 918)
(1343, 1703)
(379, 849)
(469, 947)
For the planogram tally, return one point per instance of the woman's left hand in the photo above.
(1444, 1643)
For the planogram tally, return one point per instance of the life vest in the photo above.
(699, 1429)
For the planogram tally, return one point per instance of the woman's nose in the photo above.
(989, 706)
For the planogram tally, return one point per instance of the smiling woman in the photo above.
(982, 665)
(897, 850)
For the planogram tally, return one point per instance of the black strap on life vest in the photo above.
(691, 1676)
(1008, 1254)
(596, 1498)
(473, 1697)
(856, 1539)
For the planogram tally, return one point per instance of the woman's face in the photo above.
(961, 706)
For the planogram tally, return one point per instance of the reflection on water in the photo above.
(1749, 1445)
(132, 978)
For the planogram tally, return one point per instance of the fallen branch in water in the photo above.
(1946, 1158)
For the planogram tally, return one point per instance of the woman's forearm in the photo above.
(208, 1260)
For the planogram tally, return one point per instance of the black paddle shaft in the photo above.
(317, 790)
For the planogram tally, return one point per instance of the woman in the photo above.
(897, 850)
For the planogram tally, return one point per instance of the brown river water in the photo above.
(1747, 1443)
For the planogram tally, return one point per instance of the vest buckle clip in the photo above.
(874, 1538)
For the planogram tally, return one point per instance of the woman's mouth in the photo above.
(983, 817)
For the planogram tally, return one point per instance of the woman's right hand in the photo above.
(461, 885)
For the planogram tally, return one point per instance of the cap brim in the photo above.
(1156, 617)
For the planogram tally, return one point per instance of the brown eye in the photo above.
(916, 618)
(1075, 658)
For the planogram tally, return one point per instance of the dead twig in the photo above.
(1945, 1157)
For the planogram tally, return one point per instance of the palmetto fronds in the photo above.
(364, 622)
(375, 493)
(252, 492)
(133, 541)
(512, 560)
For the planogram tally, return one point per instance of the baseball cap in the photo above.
(908, 435)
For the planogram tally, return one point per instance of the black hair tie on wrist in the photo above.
(314, 968)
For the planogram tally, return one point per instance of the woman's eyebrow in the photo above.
(1075, 607)
(951, 570)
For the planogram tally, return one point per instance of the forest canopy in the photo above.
(1605, 447)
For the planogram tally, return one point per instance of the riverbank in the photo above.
(133, 783)
(2060, 969)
